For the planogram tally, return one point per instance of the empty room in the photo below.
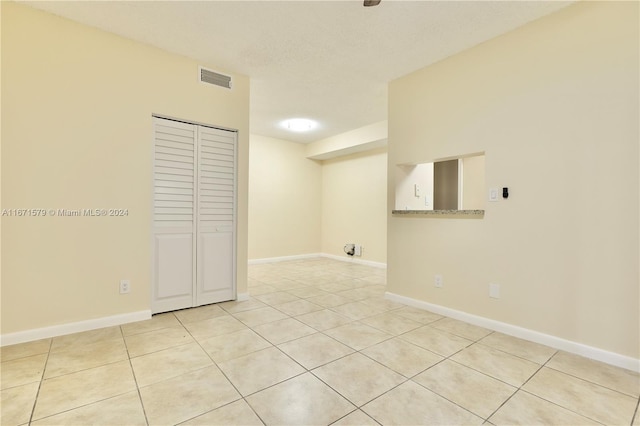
(320, 212)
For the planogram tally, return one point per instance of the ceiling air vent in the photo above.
(212, 77)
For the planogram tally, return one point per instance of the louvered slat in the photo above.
(216, 178)
(173, 179)
(166, 203)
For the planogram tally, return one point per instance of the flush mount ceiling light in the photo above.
(299, 124)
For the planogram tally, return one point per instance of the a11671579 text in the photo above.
(65, 212)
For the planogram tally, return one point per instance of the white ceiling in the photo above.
(326, 60)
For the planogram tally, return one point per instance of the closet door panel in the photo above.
(173, 287)
(215, 272)
(174, 209)
(216, 215)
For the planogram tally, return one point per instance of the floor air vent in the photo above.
(212, 77)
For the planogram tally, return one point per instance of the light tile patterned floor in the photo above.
(317, 343)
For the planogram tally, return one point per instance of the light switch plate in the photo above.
(494, 291)
(493, 194)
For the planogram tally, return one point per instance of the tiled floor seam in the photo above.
(354, 411)
(329, 362)
(509, 353)
(636, 413)
(448, 358)
(135, 379)
(44, 369)
(584, 379)
(173, 377)
(321, 365)
(243, 397)
(267, 387)
(453, 402)
(580, 378)
(358, 407)
(360, 350)
(520, 389)
(254, 410)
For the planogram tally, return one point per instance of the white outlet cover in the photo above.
(125, 286)
(438, 282)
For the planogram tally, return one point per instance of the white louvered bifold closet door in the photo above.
(193, 215)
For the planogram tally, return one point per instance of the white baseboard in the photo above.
(355, 260)
(523, 333)
(283, 258)
(316, 255)
(74, 327)
(241, 297)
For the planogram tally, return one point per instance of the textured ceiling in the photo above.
(326, 60)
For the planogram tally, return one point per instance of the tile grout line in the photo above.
(589, 381)
(135, 379)
(44, 369)
(306, 370)
(520, 387)
(242, 397)
(359, 407)
(636, 413)
(82, 405)
(448, 358)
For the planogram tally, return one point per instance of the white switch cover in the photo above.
(493, 194)
(416, 190)
(494, 291)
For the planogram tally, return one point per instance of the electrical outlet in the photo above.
(358, 250)
(438, 282)
(494, 291)
(125, 286)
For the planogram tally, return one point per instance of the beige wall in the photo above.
(1, 203)
(473, 188)
(77, 133)
(285, 199)
(361, 139)
(554, 105)
(300, 206)
(407, 176)
(354, 204)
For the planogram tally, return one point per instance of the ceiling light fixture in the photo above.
(299, 124)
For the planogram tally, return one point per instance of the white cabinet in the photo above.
(194, 215)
